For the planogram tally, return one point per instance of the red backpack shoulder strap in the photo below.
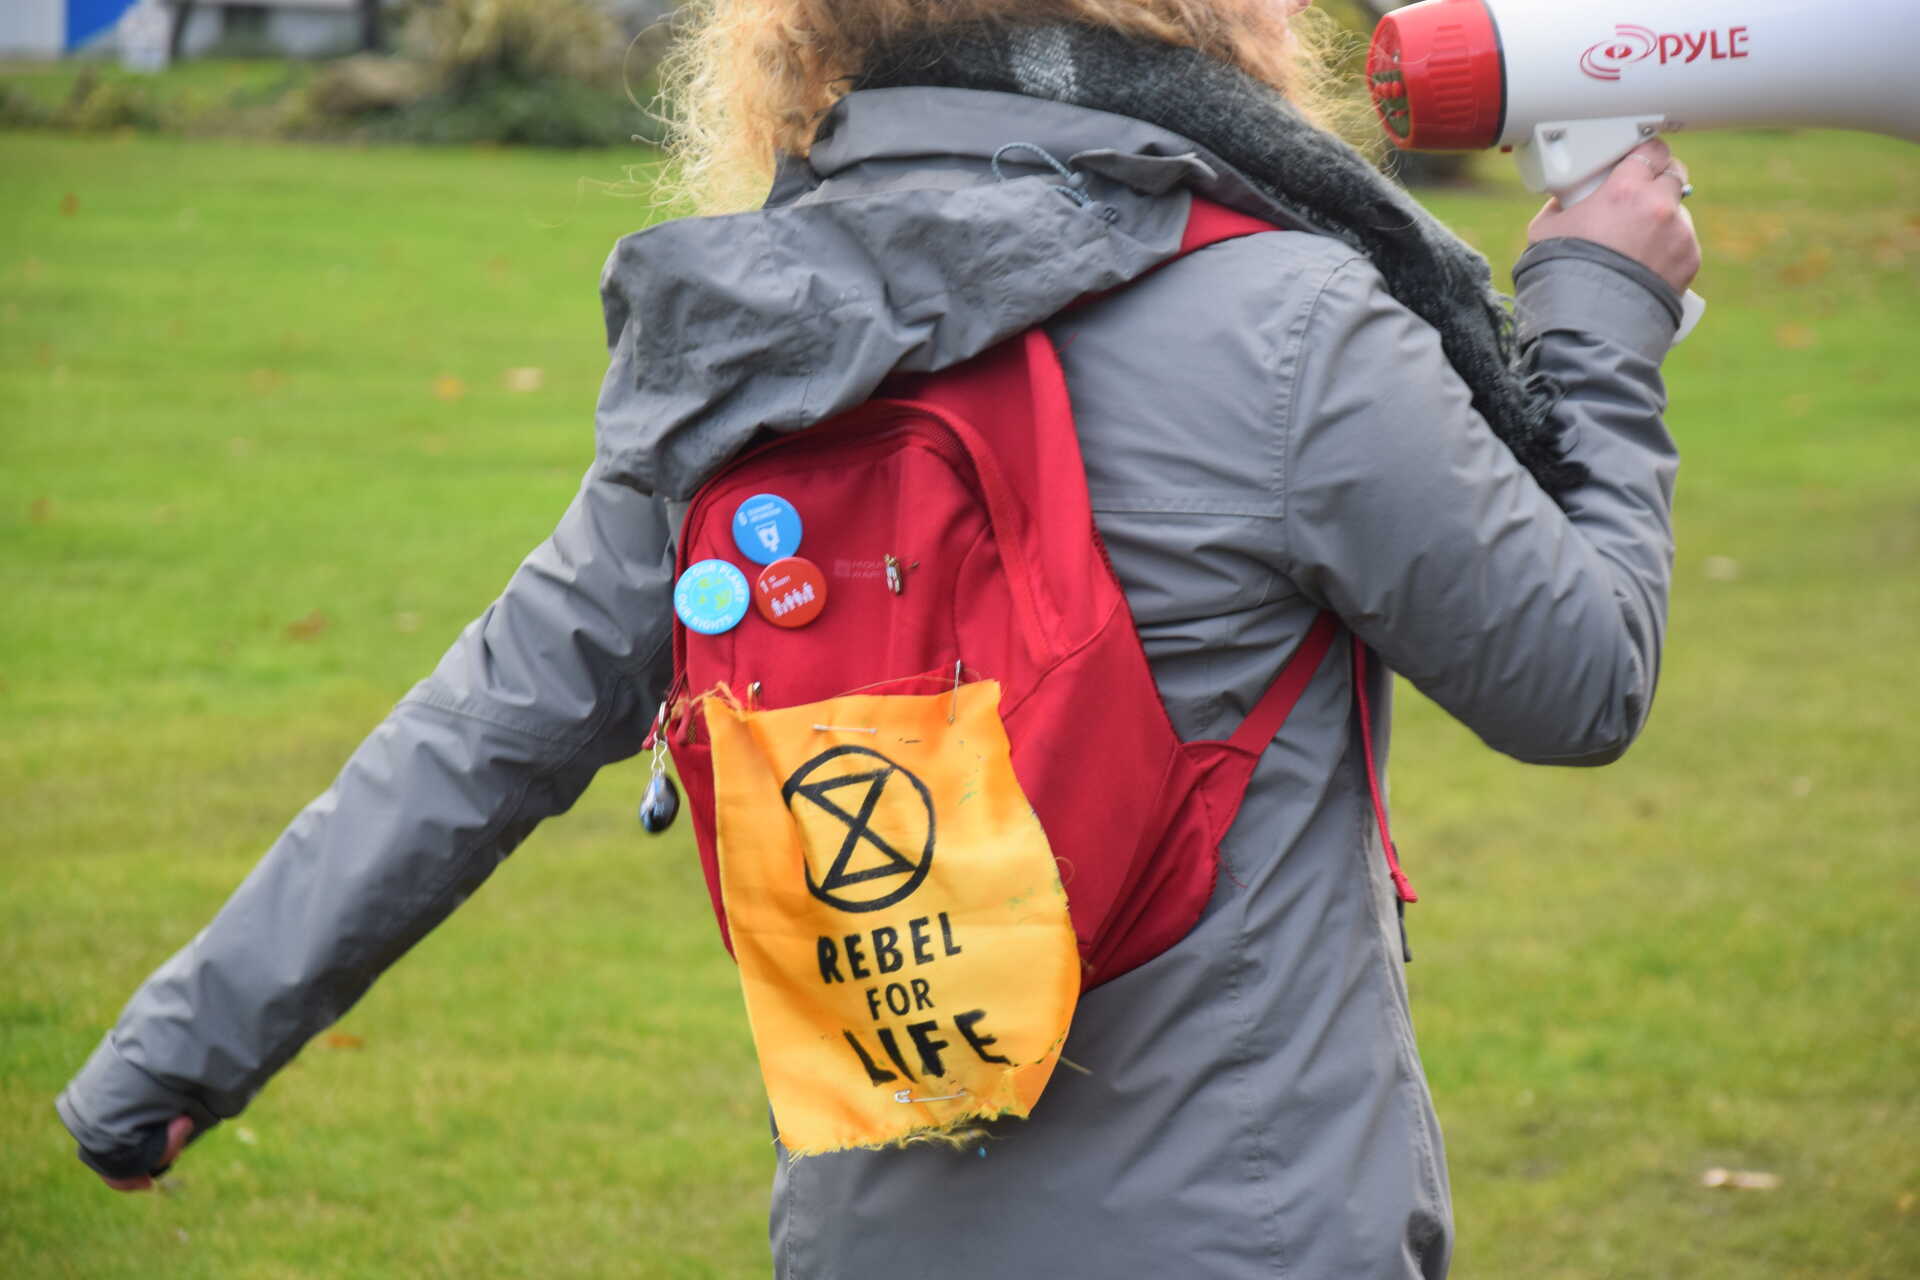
(1263, 723)
(1210, 222)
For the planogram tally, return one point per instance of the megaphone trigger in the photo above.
(1692, 308)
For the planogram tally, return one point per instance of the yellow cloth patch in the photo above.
(902, 935)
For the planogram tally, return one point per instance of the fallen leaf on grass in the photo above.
(69, 204)
(1740, 1180)
(247, 1136)
(32, 269)
(308, 627)
(267, 381)
(1815, 264)
(1739, 237)
(528, 379)
(240, 447)
(40, 510)
(449, 388)
(344, 1040)
(406, 623)
(1722, 569)
(1906, 1202)
(1795, 337)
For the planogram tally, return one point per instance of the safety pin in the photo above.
(753, 696)
(841, 728)
(953, 709)
(906, 1095)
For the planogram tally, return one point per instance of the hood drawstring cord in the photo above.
(1074, 188)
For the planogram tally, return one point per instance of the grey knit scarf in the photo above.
(1302, 169)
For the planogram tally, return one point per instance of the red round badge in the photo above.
(790, 592)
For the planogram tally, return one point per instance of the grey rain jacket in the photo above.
(1267, 433)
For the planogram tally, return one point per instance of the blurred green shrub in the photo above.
(471, 45)
(21, 110)
(548, 112)
(100, 105)
(530, 72)
(94, 104)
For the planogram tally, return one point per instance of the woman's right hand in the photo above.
(1636, 212)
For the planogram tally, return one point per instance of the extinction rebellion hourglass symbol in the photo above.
(884, 818)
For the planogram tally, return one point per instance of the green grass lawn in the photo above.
(260, 458)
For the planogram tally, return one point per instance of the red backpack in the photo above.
(950, 523)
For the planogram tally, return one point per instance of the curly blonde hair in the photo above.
(751, 78)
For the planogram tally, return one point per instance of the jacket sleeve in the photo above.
(1538, 626)
(558, 677)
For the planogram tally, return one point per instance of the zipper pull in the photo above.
(1402, 894)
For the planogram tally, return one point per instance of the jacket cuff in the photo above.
(112, 1104)
(1578, 285)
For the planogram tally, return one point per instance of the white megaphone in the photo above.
(1570, 88)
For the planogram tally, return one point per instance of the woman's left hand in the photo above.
(1637, 212)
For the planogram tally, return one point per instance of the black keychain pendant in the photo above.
(661, 804)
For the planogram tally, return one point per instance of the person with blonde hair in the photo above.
(1338, 416)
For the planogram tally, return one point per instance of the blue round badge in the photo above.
(766, 528)
(711, 597)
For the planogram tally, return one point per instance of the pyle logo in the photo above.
(1631, 44)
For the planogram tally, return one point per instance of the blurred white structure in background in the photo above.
(142, 36)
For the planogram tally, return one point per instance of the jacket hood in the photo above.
(896, 246)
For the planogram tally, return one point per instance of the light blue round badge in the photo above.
(766, 528)
(711, 597)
